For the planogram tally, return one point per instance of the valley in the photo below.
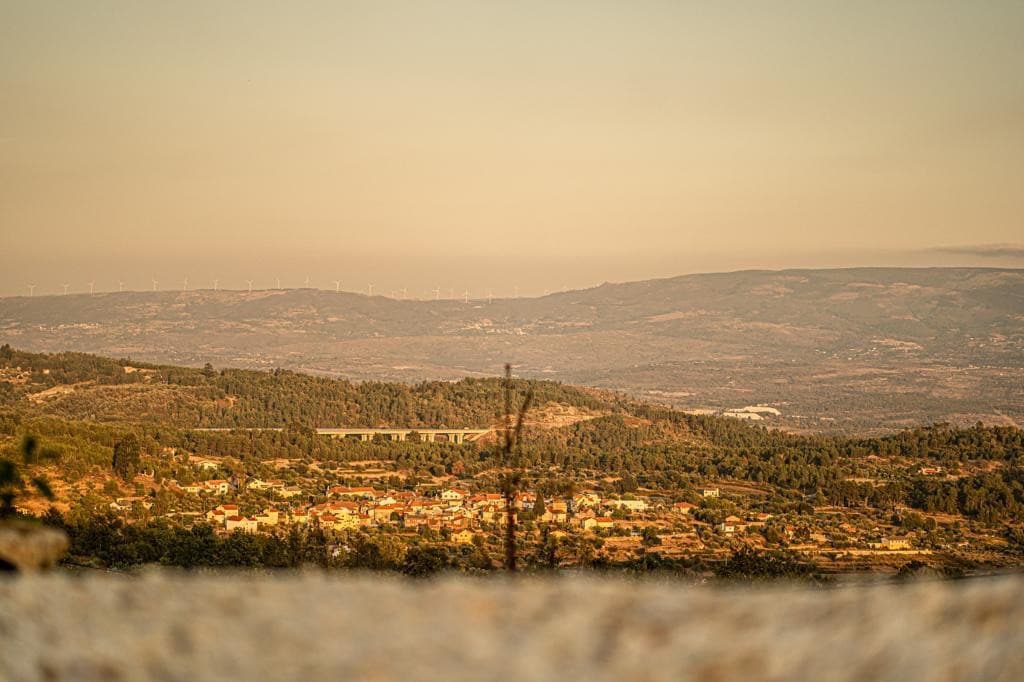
(854, 351)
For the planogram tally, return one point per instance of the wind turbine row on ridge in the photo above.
(67, 287)
(401, 294)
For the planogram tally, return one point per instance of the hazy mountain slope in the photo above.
(864, 347)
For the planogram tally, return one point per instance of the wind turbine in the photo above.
(184, 286)
(154, 284)
(92, 287)
(465, 295)
(437, 293)
(120, 286)
(369, 290)
(337, 286)
(306, 283)
(249, 281)
(31, 290)
(278, 282)
(405, 292)
(216, 284)
(66, 287)
(490, 296)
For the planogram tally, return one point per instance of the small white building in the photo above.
(217, 486)
(630, 505)
(453, 495)
(241, 523)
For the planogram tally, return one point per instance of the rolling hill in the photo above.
(848, 350)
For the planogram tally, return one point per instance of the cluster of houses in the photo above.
(228, 517)
(459, 512)
(219, 486)
(461, 515)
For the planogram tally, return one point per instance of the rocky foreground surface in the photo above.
(315, 627)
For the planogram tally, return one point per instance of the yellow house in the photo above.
(683, 507)
(597, 522)
(463, 537)
(894, 543)
(269, 517)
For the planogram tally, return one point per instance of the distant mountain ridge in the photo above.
(860, 348)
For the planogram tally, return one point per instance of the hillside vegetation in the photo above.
(853, 350)
(89, 404)
(81, 386)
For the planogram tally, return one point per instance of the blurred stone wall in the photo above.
(315, 627)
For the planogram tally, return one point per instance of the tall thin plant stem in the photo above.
(513, 474)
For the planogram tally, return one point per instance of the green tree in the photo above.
(750, 564)
(378, 552)
(538, 507)
(650, 537)
(422, 562)
(627, 483)
(127, 457)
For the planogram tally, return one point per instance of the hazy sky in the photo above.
(489, 144)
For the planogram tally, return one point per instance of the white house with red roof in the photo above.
(241, 523)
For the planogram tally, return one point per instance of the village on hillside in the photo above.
(613, 518)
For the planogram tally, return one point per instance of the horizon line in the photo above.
(495, 297)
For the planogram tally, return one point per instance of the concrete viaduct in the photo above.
(425, 435)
